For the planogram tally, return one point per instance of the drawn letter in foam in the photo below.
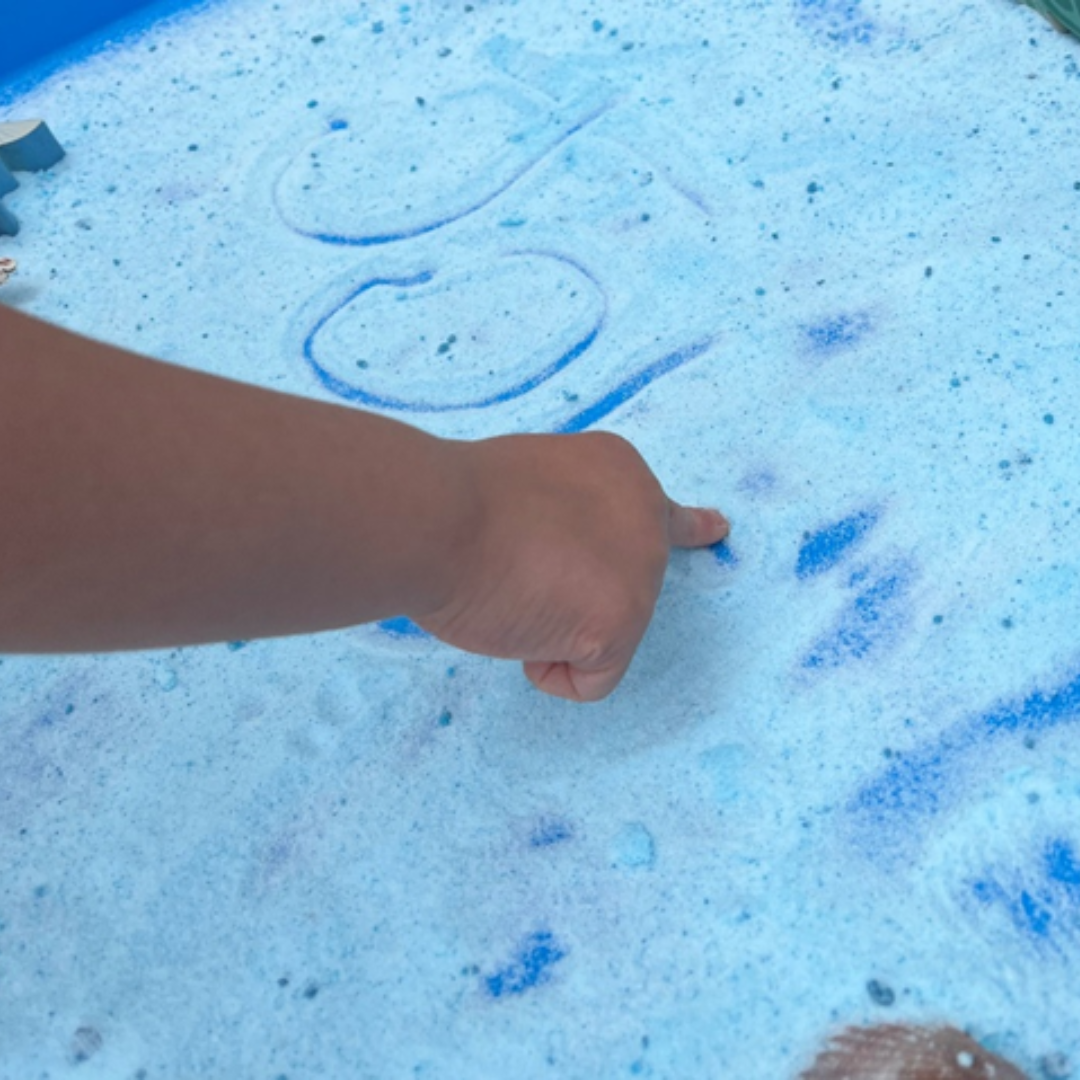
(408, 168)
(437, 342)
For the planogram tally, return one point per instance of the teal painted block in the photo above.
(9, 223)
(28, 146)
(8, 183)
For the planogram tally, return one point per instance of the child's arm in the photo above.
(148, 505)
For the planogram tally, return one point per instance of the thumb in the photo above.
(689, 527)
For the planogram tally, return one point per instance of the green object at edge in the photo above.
(1065, 14)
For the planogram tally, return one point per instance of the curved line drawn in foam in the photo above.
(925, 781)
(632, 386)
(466, 205)
(626, 390)
(359, 395)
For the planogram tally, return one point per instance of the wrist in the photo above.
(451, 526)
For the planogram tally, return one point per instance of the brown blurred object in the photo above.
(901, 1052)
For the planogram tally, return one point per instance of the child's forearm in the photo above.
(147, 505)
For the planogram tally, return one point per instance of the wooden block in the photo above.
(28, 145)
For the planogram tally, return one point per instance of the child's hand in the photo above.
(153, 506)
(567, 560)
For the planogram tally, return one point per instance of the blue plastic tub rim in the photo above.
(37, 37)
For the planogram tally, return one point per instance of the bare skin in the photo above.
(147, 505)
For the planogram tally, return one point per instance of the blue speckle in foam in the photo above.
(825, 548)
(870, 622)
(550, 831)
(402, 628)
(538, 954)
(723, 554)
(1062, 865)
(839, 332)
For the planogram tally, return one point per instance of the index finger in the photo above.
(694, 527)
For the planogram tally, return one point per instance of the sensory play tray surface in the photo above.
(818, 260)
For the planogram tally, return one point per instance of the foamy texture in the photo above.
(818, 261)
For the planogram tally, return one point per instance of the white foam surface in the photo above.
(818, 260)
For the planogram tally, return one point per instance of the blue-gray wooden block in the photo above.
(9, 223)
(28, 145)
(7, 181)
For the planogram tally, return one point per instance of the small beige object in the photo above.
(902, 1052)
(7, 268)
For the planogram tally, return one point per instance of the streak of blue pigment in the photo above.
(531, 967)
(867, 623)
(918, 784)
(631, 387)
(825, 548)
